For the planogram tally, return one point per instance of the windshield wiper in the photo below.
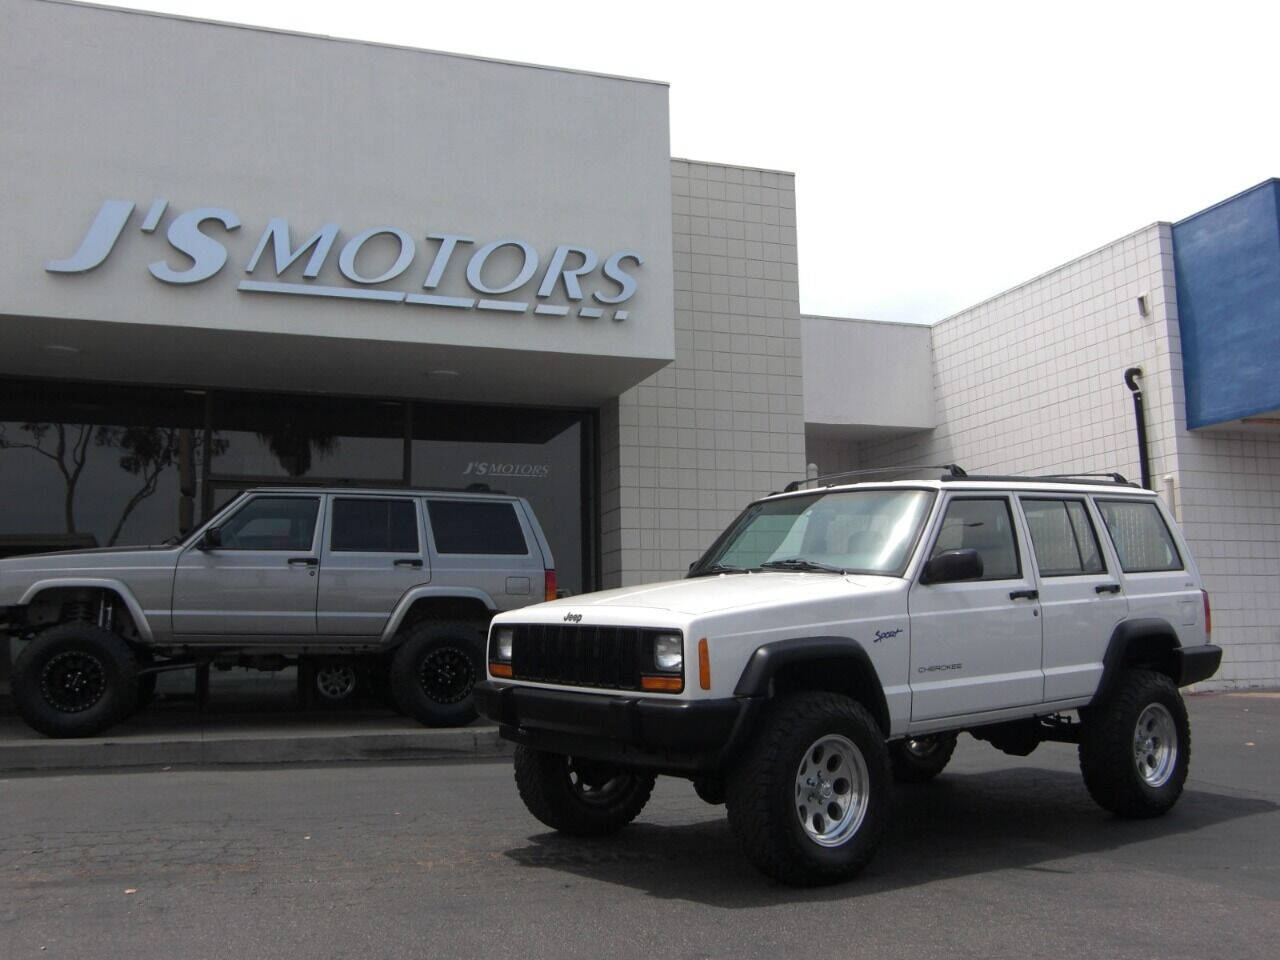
(800, 563)
(720, 568)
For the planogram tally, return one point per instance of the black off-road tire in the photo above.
(582, 798)
(434, 670)
(75, 680)
(919, 759)
(1136, 773)
(798, 739)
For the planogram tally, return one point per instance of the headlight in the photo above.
(668, 653)
(502, 639)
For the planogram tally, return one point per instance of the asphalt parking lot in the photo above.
(1000, 857)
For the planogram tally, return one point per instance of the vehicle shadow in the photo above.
(959, 825)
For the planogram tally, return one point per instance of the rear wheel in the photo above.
(433, 671)
(75, 680)
(917, 759)
(583, 798)
(809, 800)
(1135, 746)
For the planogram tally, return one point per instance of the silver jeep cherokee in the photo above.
(392, 588)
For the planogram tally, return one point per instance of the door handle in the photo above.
(1107, 588)
(1024, 594)
(408, 563)
(303, 562)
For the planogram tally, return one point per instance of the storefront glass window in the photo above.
(547, 472)
(84, 467)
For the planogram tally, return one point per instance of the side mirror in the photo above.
(951, 566)
(211, 539)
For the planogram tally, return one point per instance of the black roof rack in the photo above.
(950, 471)
(1112, 477)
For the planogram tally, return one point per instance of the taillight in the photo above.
(550, 592)
(1208, 616)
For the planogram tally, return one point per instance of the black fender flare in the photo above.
(769, 659)
(1137, 640)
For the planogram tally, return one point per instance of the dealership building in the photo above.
(235, 257)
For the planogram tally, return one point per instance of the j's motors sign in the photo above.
(381, 263)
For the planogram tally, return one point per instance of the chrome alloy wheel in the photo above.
(1155, 745)
(832, 790)
(336, 681)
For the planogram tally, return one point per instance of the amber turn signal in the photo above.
(704, 665)
(500, 669)
(662, 684)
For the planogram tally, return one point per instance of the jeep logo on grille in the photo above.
(573, 618)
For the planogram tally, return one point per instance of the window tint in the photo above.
(1062, 537)
(476, 526)
(1141, 538)
(272, 523)
(375, 526)
(985, 526)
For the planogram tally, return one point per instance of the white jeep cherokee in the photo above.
(835, 638)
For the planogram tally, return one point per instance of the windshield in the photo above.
(853, 531)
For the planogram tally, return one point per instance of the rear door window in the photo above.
(374, 526)
(477, 527)
(1141, 538)
(1062, 538)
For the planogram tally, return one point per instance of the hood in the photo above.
(105, 558)
(92, 551)
(728, 591)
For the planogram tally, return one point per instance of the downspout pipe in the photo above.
(1131, 378)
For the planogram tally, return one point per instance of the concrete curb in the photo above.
(260, 747)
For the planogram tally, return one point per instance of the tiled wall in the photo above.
(1030, 381)
(1229, 488)
(685, 450)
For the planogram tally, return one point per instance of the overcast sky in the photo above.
(943, 152)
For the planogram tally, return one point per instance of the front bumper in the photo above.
(679, 736)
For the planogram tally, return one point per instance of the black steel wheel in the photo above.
(75, 680)
(434, 670)
(582, 798)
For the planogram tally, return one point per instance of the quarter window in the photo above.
(1062, 537)
(1140, 536)
(985, 526)
(272, 523)
(476, 526)
(375, 526)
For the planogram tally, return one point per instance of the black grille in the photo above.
(582, 656)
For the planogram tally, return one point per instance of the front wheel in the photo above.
(1135, 746)
(75, 680)
(809, 800)
(583, 798)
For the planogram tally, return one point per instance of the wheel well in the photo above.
(445, 608)
(835, 675)
(1154, 651)
(1149, 643)
(96, 604)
